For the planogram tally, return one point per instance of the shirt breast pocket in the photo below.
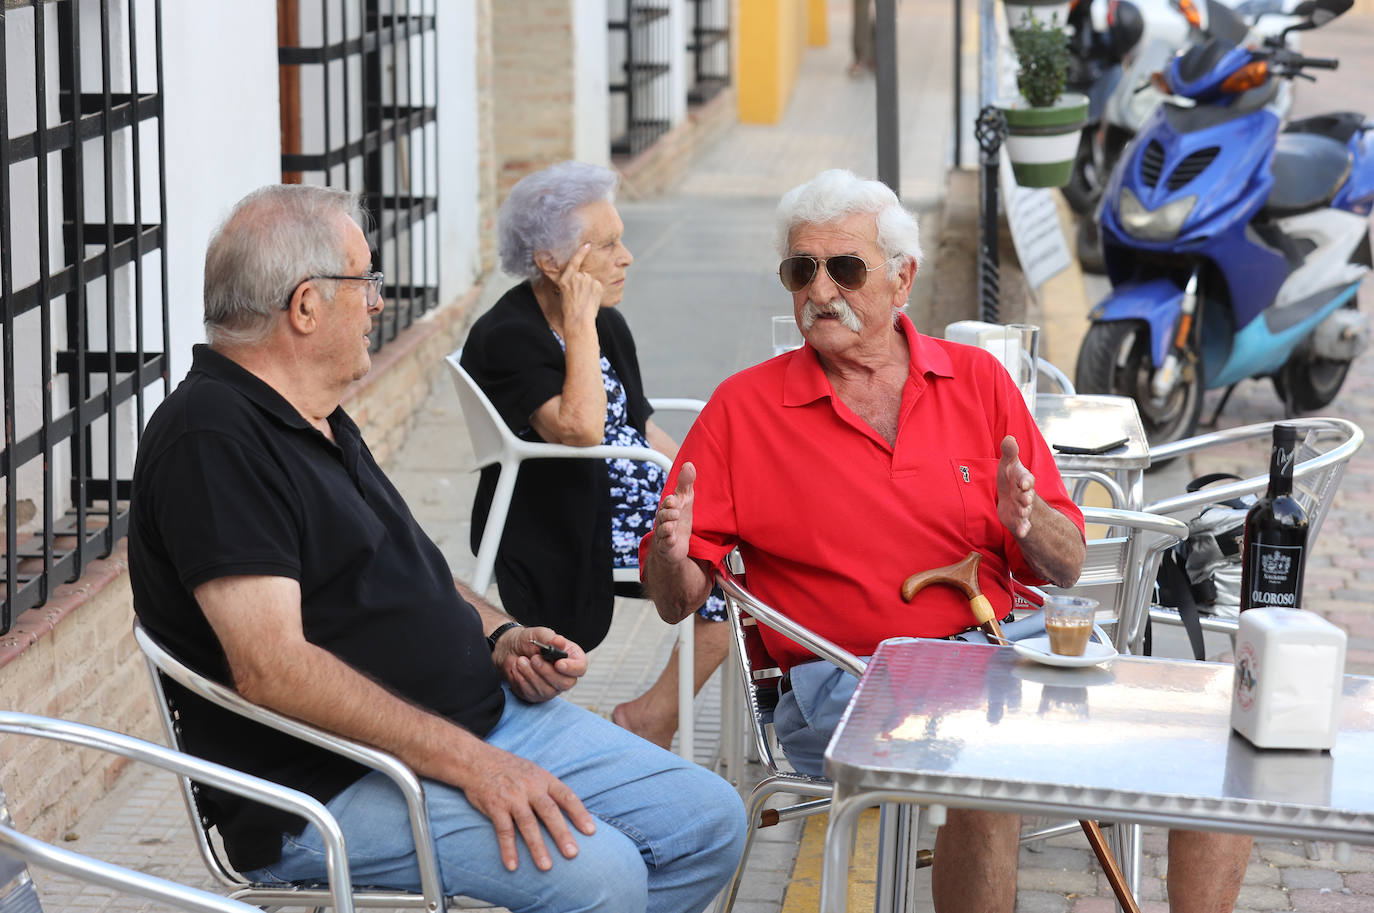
(976, 481)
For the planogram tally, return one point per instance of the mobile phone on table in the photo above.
(549, 651)
(1100, 448)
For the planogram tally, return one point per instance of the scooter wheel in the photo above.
(1115, 358)
(1312, 383)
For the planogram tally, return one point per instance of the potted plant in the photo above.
(1044, 123)
(1018, 12)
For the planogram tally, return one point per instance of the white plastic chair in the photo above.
(163, 667)
(18, 849)
(1325, 446)
(494, 442)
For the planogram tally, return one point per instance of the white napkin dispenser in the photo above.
(1287, 691)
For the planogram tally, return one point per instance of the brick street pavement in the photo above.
(699, 299)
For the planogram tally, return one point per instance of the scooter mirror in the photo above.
(1330, 9)
(1320, 12)
(1125, 25)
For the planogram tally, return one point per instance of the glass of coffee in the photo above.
(1069, 623)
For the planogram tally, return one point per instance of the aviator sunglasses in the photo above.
(845, 270)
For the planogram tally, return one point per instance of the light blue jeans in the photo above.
(669, 833)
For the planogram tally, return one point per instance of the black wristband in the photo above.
(494, 636)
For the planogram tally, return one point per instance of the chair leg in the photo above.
(1124, 841)
(686, 688)
(898, 827)
(482, 571)
(754, 810)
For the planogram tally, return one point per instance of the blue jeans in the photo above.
(669, 833)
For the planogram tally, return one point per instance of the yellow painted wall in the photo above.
(816, 24)
(772, 36)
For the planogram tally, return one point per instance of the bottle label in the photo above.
(1274, 581)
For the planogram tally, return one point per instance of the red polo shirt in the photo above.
(830, 519)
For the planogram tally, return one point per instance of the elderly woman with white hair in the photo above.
(559, 364)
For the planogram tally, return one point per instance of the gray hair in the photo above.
(835, 194)
(541, 213)
(271, 241)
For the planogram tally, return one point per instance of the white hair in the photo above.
(836, 194)
(541, 213)
(272, 240)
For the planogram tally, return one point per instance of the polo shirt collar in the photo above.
(205, 360)
(805, 382)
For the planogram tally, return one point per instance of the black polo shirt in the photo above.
(231, 480)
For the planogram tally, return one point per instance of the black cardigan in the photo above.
(554, 564)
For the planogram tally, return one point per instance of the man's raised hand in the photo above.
(673, 522)
(1015, 490)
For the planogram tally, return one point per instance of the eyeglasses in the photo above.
(373, 280)
(846, 270)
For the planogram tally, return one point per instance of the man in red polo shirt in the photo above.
(871, 453)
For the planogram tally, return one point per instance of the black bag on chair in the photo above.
(1202, 573)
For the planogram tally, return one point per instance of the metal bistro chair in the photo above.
(1325, 446)
(163, 667)
(494, 442)
(17, 850)
(759, 677)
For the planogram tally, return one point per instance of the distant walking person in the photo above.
(863, 38)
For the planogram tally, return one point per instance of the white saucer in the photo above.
(1098, 652)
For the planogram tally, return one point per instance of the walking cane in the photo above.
(964, 577)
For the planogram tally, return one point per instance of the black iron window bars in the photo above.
(84, 279)
(358, 89)
(640, 50)
(708, 50)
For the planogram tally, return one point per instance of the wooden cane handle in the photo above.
(963, 575)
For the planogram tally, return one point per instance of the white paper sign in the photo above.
(1035, 230)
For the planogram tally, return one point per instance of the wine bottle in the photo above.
(1275, 545)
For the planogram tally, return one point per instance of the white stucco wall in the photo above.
(223, 137)
(591, 100)
(459, 209)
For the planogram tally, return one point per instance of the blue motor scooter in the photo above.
(1234, 248)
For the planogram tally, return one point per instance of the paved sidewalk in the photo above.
(699, 299)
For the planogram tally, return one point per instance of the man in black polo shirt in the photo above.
(269, 551)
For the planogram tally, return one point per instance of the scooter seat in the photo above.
(1308, 169)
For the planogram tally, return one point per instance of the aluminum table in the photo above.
(1146, 741)
(1087, 420)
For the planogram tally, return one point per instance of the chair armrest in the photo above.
(677, 404)
(1145, 520)
(76, 865)
(767, 615)
(537, 450)
(404, 778)
(1353, 439)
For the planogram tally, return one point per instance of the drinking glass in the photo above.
(1022, 347)
(1069, 623)
(786, 335)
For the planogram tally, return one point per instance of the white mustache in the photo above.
(836, 307)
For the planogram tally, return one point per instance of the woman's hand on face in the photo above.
(579, 293)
